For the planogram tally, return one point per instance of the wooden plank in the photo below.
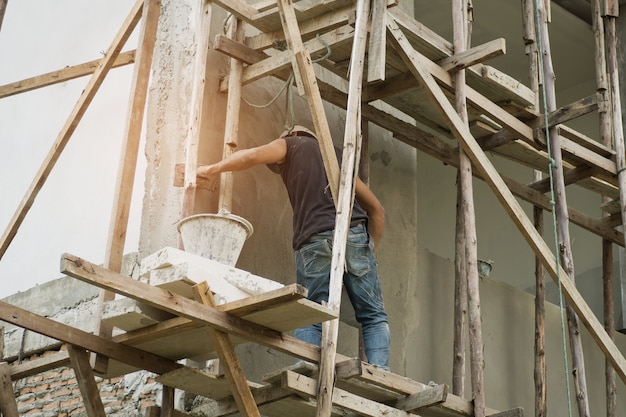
(37, 366)
(94, 343)
(192, 138)
(242, 309)
(127, 166)
(344, 201)
(70, 125)
(62, 75)
(571, 111)
(239, 8)
(237, 50)
(180, 306)
(85, 378)
(340, 398)
(582, 155)
(293, 39)
(309, 28)
(473, 56)
(504, 195)
(231, 130)
(571, 176)
(423, 399)
(225, 350)
(282, 60)
(304, 67)
(197, 381)
(587, 142)
(377, 50)
(155, 411)
(436, 47)
(8, 403)
(262, 395)
(514, 412)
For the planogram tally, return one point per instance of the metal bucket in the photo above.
(219, 237)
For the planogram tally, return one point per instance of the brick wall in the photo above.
(56, 393)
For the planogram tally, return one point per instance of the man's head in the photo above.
(298, 130)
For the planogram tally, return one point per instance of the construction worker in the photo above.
(296, 157)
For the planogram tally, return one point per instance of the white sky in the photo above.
(72, 211)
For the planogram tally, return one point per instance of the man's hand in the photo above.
(207, 177)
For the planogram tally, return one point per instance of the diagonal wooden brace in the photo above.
(226, 352)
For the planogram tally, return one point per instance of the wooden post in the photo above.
(530, 42)
(236, 31)
(349, 170)
(195, 115)
(167, 401)
(3, 8)
(79, 358)
(461, 26)
(8, 404)
(226, 352)
(618, 139)
(564, 243)
(128, 161)
(304, 67)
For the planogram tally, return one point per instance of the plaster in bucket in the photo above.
(219, 237)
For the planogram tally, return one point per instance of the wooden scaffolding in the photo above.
(393, 58)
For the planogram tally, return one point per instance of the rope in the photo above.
(551, 164)
(289, 110)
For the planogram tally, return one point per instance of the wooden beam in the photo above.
(128, 159)
(570, 111)
(167, 402)
(377, 52)
(237, 50)
(240, 308)
(362, 406)
(62, 75)
(473, 56)
(282, 60)
(422, 399)
(37, 366)
(86, 380)
(571, 176)
(262, 395)
(85, 340)
(192, 140)
(8, 404)
(308, 28)
(228, 358)
(344, 202)
(184, 307)
(304, 67)
(239, 8)
(70, 125)
(504, 195)
(231, 130)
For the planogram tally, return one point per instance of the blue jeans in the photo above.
(313, 262)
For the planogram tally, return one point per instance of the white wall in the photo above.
(72, 211)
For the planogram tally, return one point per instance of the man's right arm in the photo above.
(271, 153)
